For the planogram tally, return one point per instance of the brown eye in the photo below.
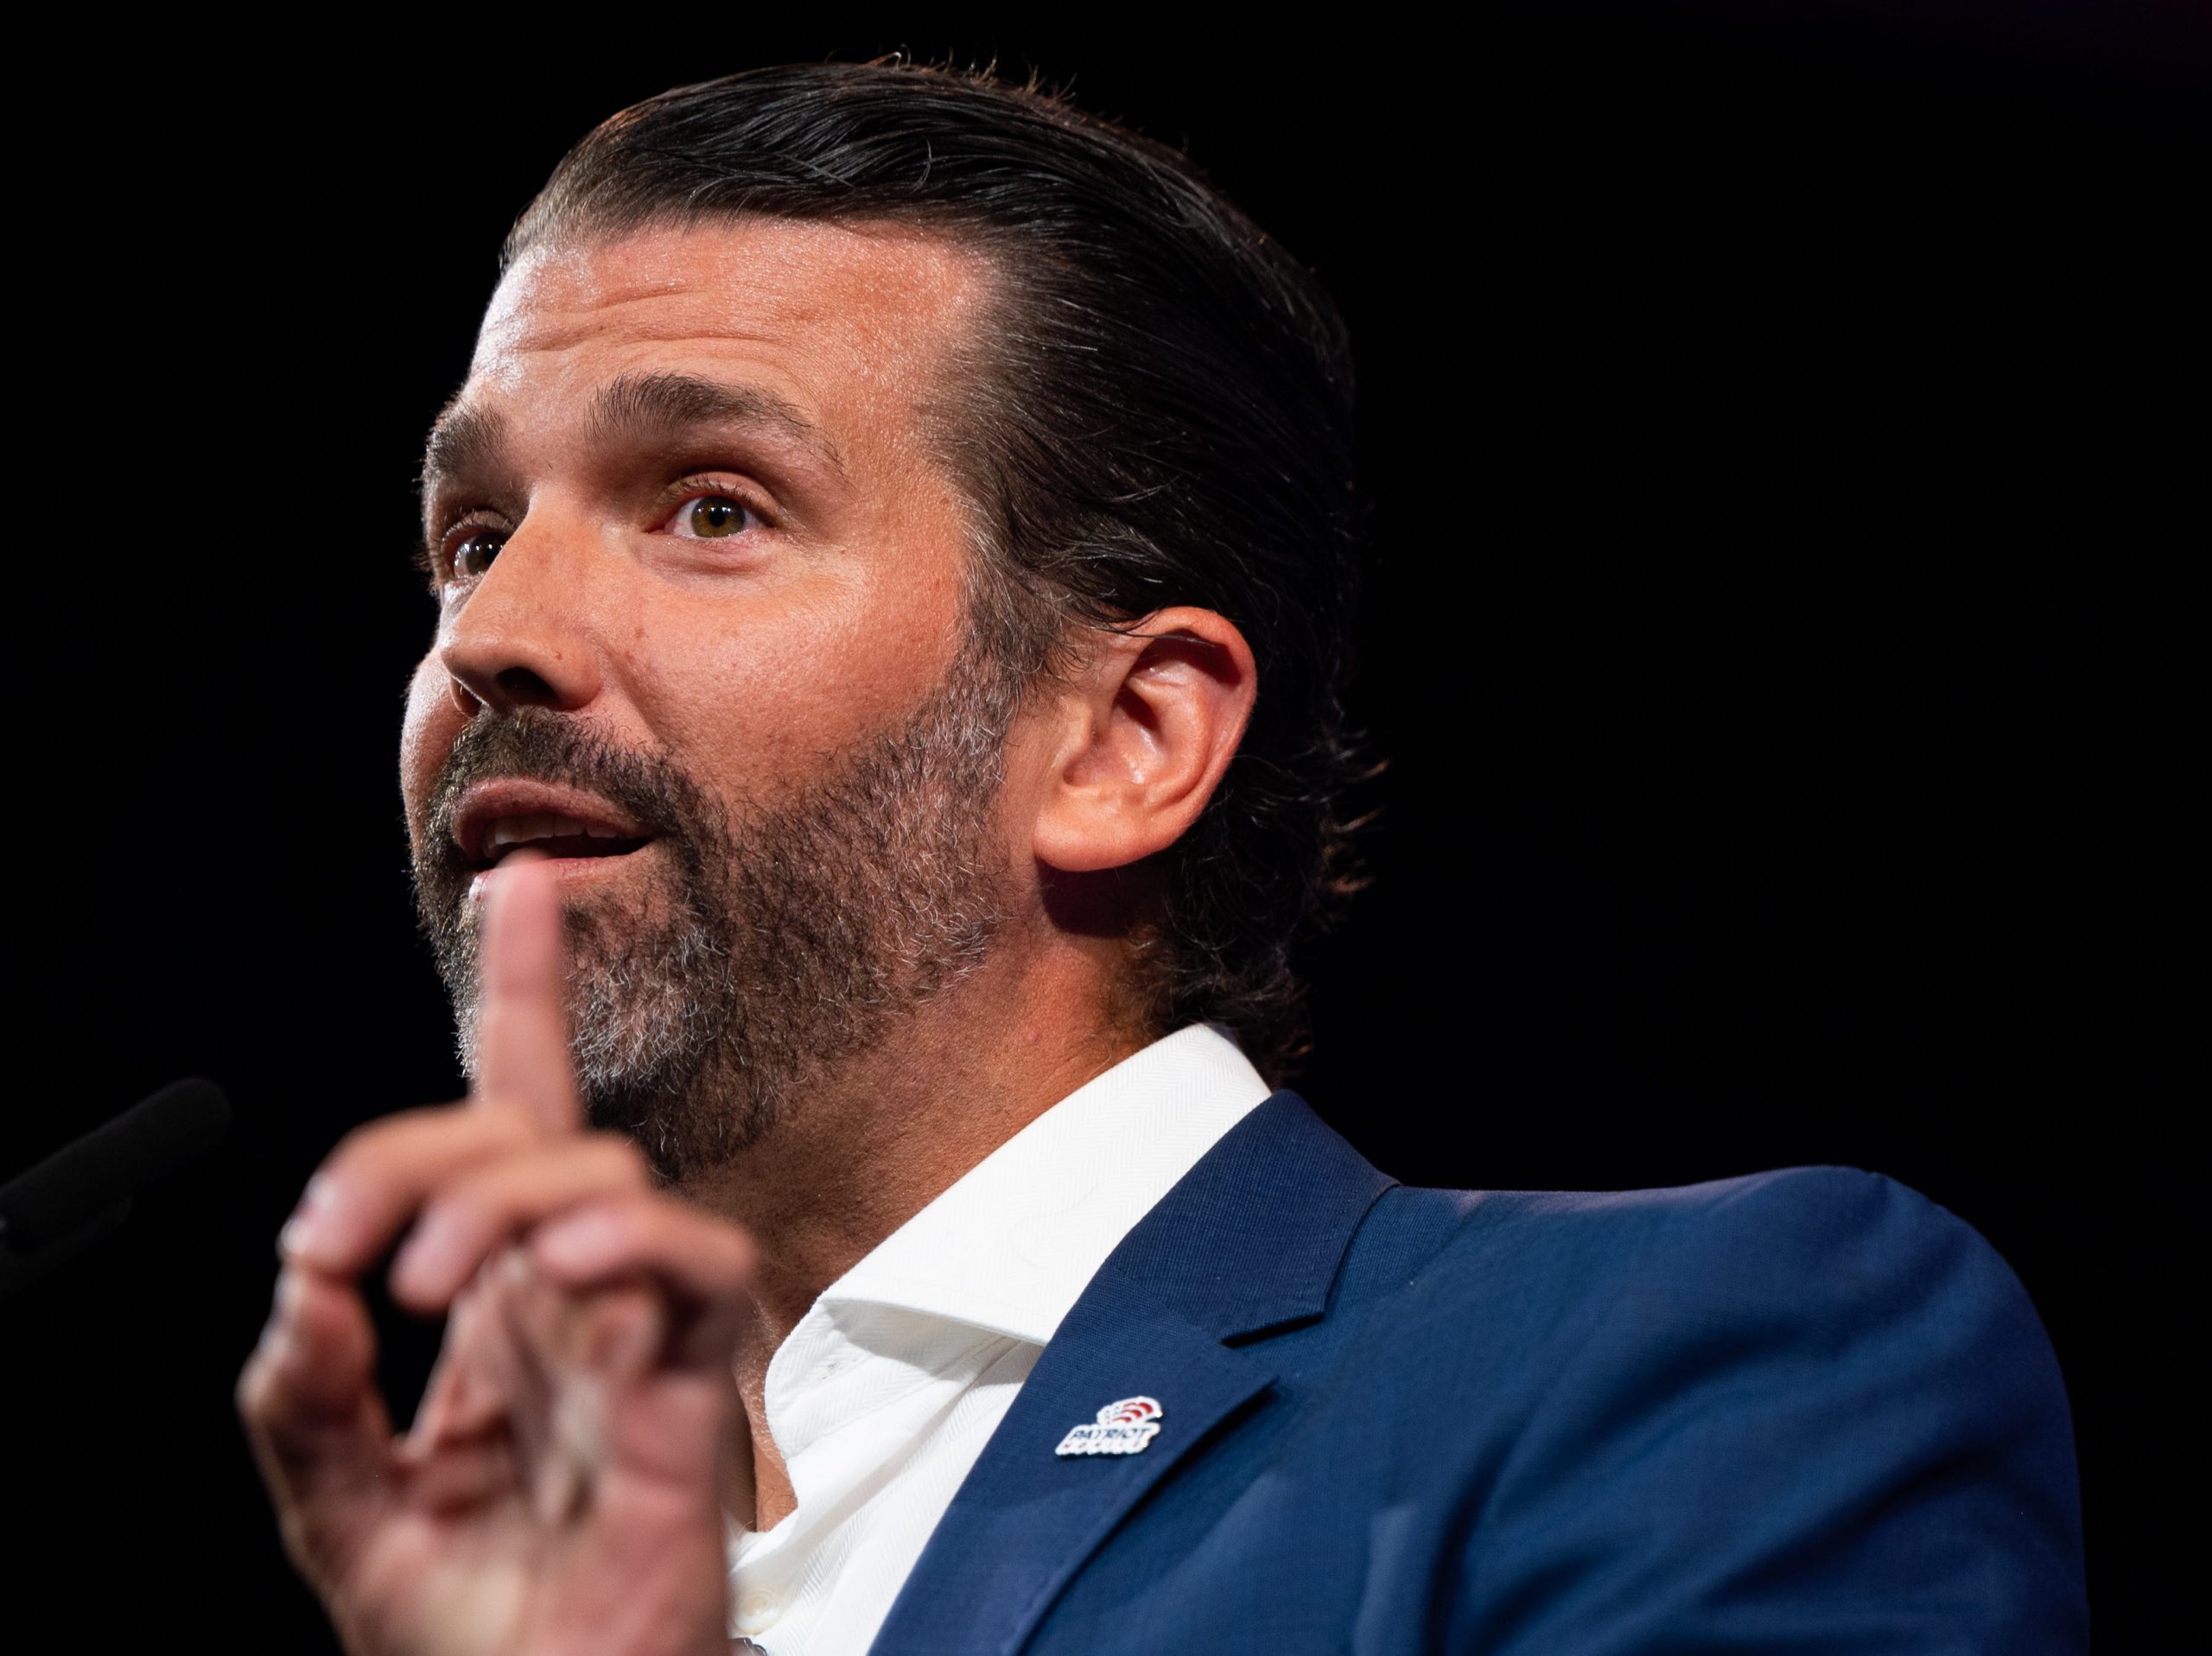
(473, 555)
(712, 517)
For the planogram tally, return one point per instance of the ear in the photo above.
(1145, 729)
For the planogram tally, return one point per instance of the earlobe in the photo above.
(1155, 717)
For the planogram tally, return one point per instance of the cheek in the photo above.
(753, 706)
(425, 738)
(735, 709)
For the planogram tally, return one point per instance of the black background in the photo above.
(1786, 451)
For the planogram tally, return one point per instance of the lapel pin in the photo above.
(1122, 1428)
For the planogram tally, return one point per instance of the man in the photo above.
(893, 552)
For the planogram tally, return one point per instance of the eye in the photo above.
(714, 517)
(472, 554)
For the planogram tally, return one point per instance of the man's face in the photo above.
(702, 637)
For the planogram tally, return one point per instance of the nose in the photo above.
(521, 639)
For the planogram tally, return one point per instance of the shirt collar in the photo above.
(1011, 1246)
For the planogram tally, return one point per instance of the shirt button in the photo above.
(757, 1610)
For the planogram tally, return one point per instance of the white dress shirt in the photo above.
(884, 1395)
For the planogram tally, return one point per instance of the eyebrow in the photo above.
(630, 408)
(462, 440)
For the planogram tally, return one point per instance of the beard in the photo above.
(780, 934)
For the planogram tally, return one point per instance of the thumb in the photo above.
(317, 1425)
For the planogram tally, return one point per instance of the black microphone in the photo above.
(82, 1190)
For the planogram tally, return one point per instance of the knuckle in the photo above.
(365, 1153)
(250, 1394)
(490, 1193)
(635, 1228)
(718, 1250)
(493, 1125)
(462, 1214)
(619, 1157)
(733, 1255)
(624, 1220)
(298, 1539)
(357, 1147)
(682, 1225)
(372, 1137)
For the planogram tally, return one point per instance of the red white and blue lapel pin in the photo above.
(1122, 1428)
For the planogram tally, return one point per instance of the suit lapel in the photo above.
(1250, 1241)
(1027, 1518)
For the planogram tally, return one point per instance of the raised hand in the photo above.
(560, 1494)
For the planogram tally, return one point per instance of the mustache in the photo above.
(553, 747)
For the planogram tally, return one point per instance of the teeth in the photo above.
(509, 831)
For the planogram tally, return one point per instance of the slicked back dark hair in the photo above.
(1158, 413)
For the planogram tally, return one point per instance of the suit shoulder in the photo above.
(1849, 1196)
(1809, 1260)
(1814, 1383)
(1845, 1227)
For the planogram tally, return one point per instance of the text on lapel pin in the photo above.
(1122, 1428)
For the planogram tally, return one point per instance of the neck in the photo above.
(883, 1134)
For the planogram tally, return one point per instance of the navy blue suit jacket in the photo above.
(1802, 1411)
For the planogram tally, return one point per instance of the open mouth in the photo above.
(554, 822)
(554, 835)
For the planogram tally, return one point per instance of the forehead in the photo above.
(848, 322)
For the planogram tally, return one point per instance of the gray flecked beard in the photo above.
(783, 934)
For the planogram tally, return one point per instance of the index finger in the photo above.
(522, 1022)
